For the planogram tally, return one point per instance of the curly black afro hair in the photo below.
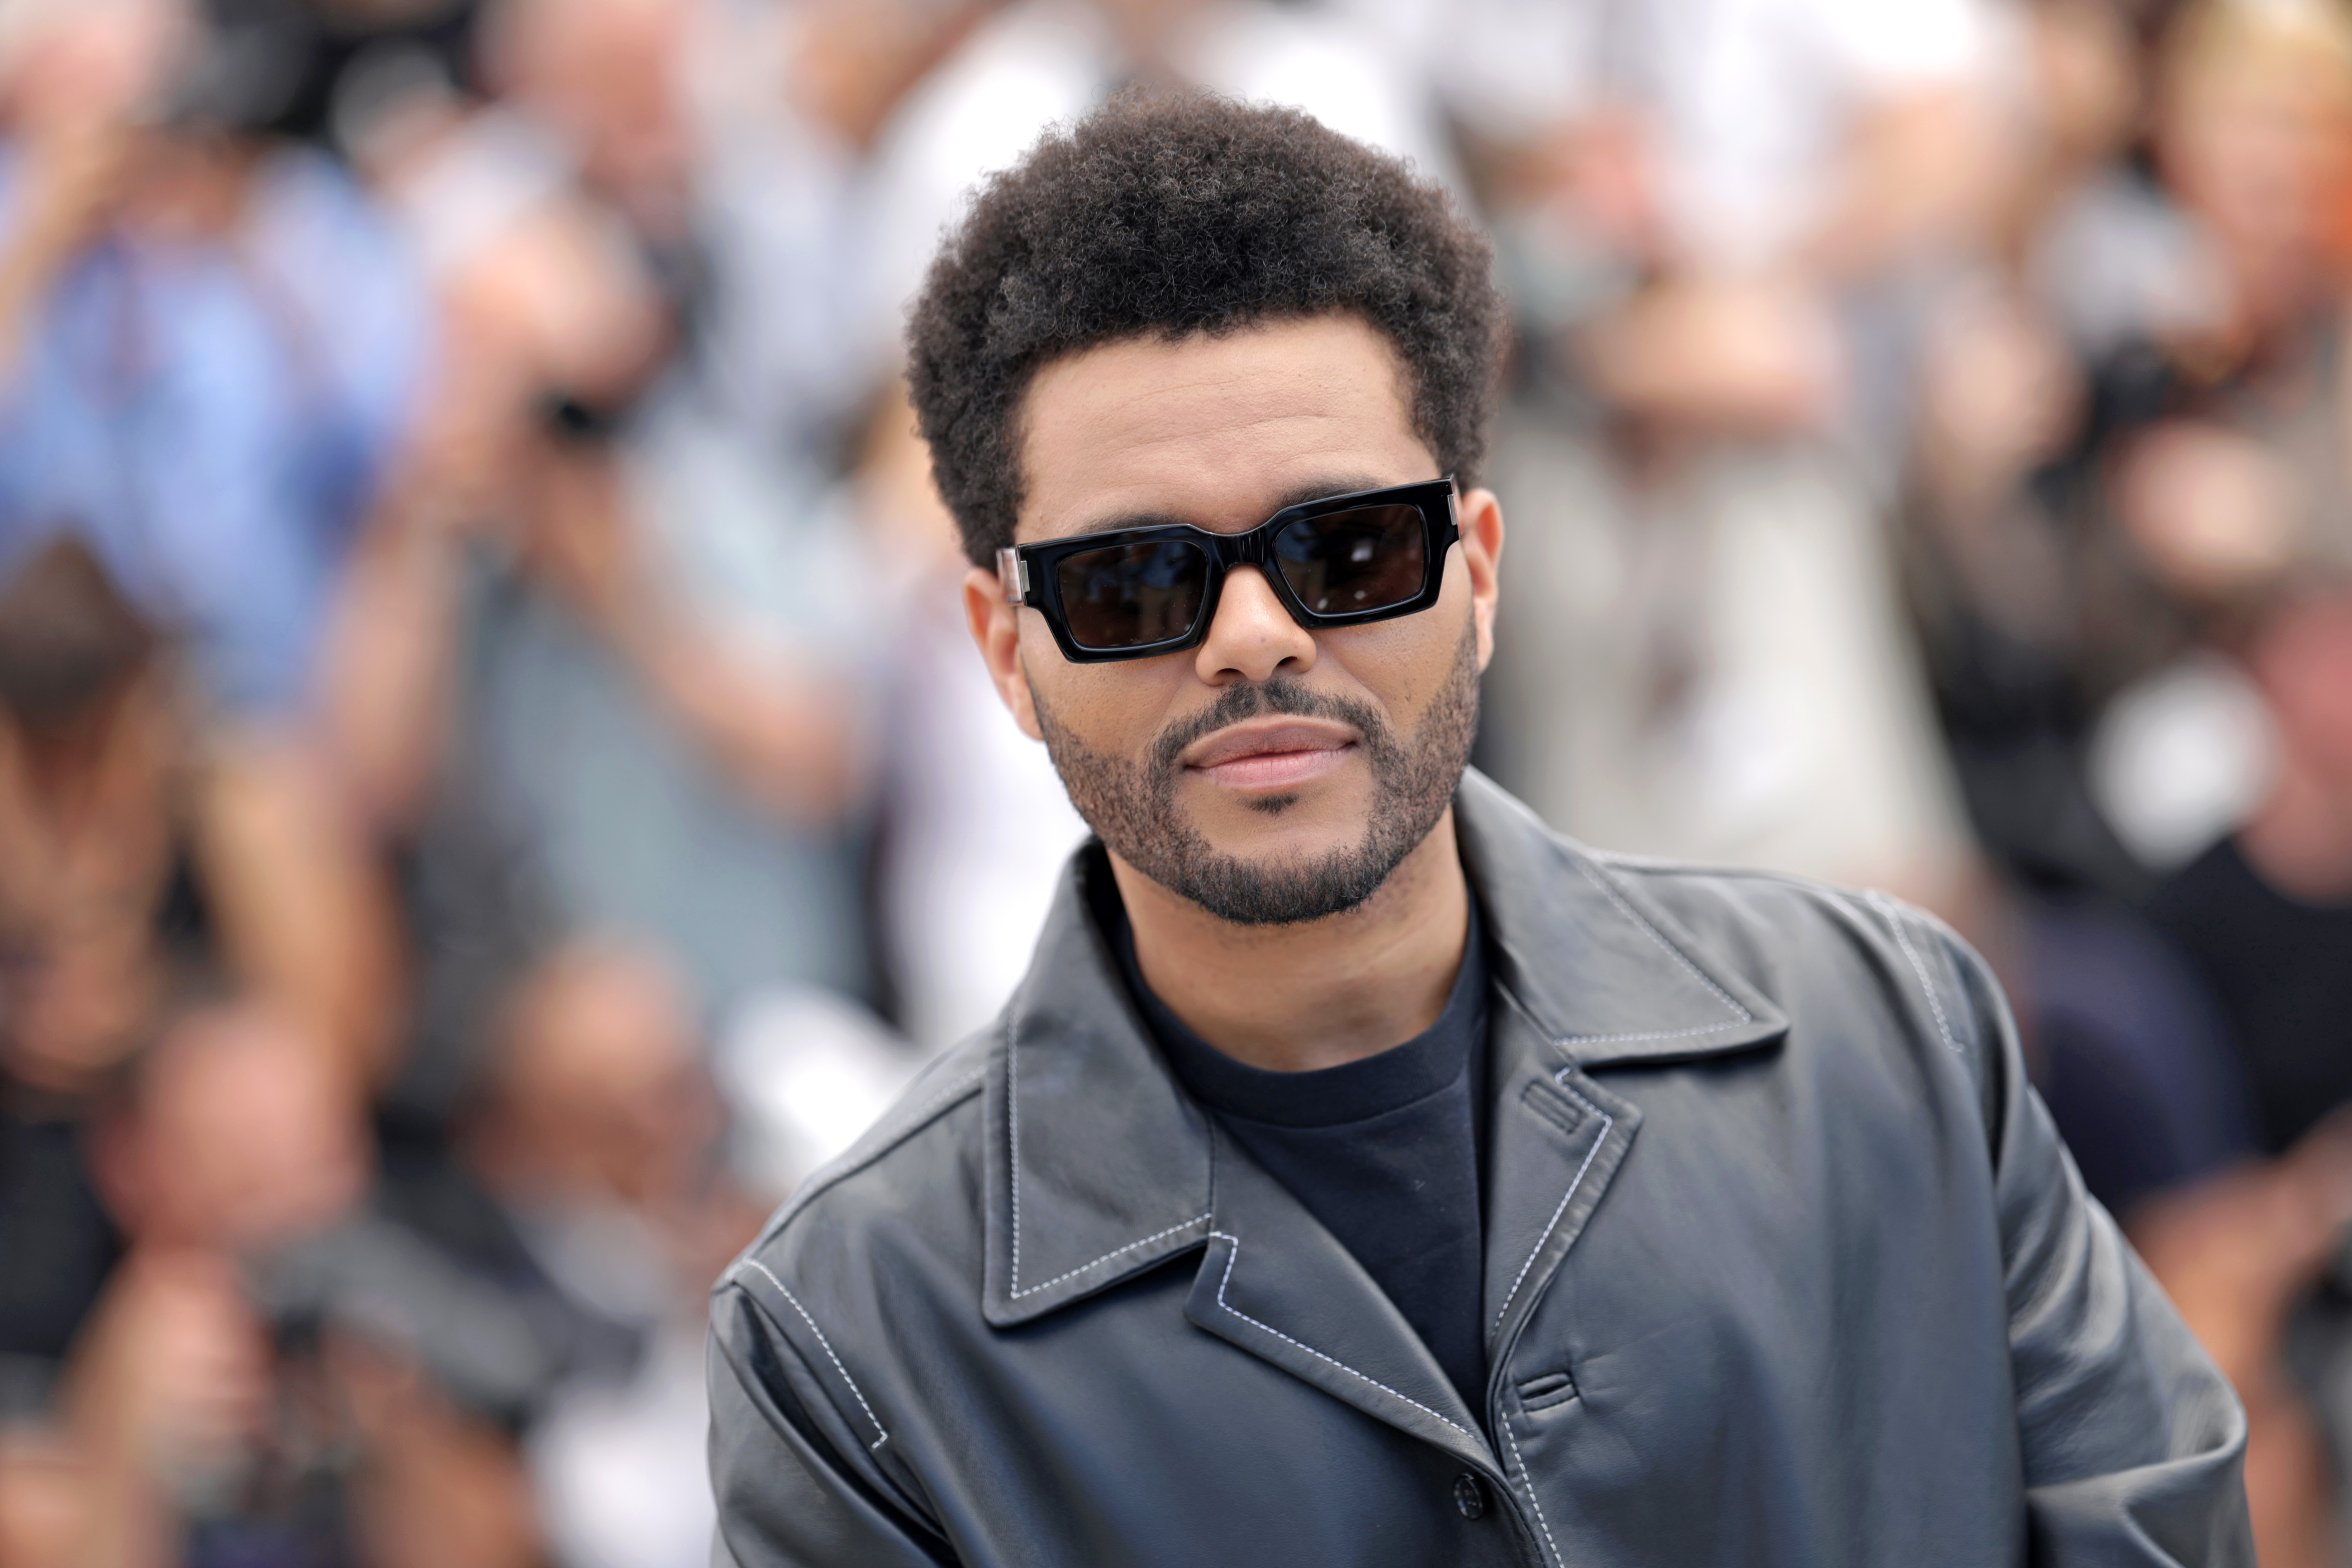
(1176, 215)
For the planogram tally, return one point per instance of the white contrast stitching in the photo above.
(1692, 970)
(1525, 1474)
(1606, 1124)
(1227, 1279)
(1894, 914)
(877, 1443)
(1645, 1035)
(1013, 1103)
(1013, 1115)
(1106, 1258)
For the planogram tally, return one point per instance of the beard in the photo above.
(1131, 803)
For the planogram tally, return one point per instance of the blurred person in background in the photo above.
(2131, 441)
(2135, 416)
(133, 854)
(195, 1422)
(2018, 597)
(575, 674)
(694, 123)
(2221, 463)
(225, 1141)
(206, 346)
(961, 792)
(2028, 518)
(597, 1137)
(2257, 1256)
(2266, 912)
(209, 339)
(2130, 454)
(1721, 224)
(287, 1368)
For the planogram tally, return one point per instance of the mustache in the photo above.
(1283, 694)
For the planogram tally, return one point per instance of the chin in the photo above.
(1272, 830)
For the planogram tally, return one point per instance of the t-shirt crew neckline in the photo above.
(1430, 1063)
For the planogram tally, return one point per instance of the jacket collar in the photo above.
(1096, 1166)
(1600, 968)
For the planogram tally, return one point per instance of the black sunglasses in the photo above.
(1137, 591)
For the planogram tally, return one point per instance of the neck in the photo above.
(2301, 840)
(1320, 994)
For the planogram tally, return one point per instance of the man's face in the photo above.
(1270, 774)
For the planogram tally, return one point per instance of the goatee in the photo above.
(1131, 805)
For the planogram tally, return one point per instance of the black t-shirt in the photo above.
(1384, 1152)
(2282, 971)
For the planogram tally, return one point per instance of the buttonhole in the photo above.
(1554, 1107)
(1549, 1389)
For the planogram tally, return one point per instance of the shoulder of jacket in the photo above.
(894, 1165)
(1745, 893)
(1741, 912)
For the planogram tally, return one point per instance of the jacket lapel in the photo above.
(1588, 972)
(1598, 965)
(1554, 1143)
(1096, 1166)
(1276, 1284)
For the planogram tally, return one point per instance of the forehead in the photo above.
(1216, 431)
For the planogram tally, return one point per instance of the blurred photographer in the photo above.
(200, 1420)
(209, 339)
(1724, 223)
(602, 616)
(208, 344)
(597, 1138)
(133, 853)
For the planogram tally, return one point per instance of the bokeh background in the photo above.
(494, 787)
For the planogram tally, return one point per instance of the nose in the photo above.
(1253, 637)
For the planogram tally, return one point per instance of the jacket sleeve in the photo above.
(788, 1495)
(2133, 1442)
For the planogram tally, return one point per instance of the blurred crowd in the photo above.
(494, 787)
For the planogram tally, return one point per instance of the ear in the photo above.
(1480, 518)
(996, 629)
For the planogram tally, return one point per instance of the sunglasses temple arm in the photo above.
(1013, 572)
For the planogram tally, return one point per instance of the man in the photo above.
(1362, 1174)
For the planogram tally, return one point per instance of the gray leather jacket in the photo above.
(1784, 1265)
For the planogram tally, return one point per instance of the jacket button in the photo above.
(1469, 1495)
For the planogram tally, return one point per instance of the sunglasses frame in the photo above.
(1029, 576)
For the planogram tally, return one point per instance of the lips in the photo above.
(1278, 754)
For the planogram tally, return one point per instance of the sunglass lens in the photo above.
(1132, 595)
(1353, 562)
